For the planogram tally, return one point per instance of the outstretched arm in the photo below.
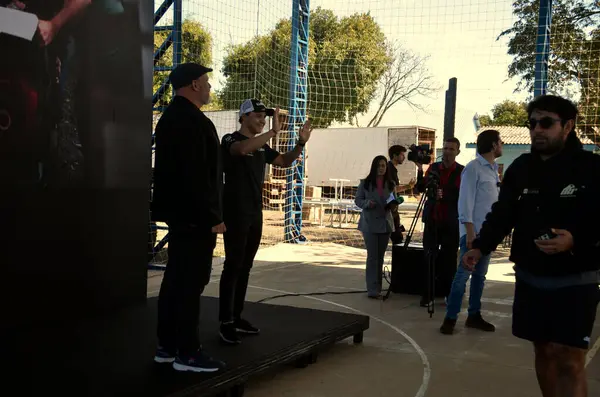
(286, 159)
(49, 29)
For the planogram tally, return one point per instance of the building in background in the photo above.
(516, 142)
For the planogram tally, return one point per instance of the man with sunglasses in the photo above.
(548, 199)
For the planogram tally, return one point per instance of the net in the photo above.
(376, 76)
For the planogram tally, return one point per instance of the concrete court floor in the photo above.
(403, 353)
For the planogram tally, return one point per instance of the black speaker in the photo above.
(409, 267)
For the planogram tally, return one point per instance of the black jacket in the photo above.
(188, 173)
(561, 192)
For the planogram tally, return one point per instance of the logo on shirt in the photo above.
(531, 191)
(569, 191)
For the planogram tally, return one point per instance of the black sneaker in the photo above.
(198, 362)
(164, 355)
(477, 322)
(228, 334)
(447, 327)
(244, 327)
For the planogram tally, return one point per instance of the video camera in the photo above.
(420, 154)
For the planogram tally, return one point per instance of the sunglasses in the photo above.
(545, 122)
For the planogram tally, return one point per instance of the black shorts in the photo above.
(565, 316)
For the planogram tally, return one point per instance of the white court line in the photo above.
(592, 352)
(424, 360)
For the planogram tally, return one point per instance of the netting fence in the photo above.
(374, 73)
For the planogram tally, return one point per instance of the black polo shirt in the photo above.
(244, 176)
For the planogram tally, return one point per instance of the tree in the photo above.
(574, 65)
(347, 58)
(508, 112)
(485, 120)
(196, 46)
(405, 79)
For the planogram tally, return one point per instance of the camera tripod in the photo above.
(431, 252)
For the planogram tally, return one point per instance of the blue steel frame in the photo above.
(174, 39)
(542, 48)
(298, 98)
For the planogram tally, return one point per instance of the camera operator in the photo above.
(397, 155)
(440, 215)
(548, 198)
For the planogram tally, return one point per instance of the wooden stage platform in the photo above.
(113, 355)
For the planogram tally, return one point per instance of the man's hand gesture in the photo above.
(305, 132)
(276, 121)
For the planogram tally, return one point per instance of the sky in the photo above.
(460, 36)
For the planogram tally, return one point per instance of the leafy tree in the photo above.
(347, 58)
(574, 65)
(196, 46)
(506, 113)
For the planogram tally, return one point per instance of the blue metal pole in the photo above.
(542, 48)
(177, 28)
(298, 98)
(173, 39)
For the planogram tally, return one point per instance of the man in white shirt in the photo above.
(479, 189)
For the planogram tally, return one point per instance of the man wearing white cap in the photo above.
(245, 155)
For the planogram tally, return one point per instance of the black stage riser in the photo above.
(112, 356)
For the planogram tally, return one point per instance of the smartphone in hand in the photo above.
(546, 234)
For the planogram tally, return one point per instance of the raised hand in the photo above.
(305, 131)
(276, 121)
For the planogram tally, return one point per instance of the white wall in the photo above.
(343, 153)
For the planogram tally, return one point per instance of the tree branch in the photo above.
(405, 80)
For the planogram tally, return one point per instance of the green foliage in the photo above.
(347, 58)
(196, 47)
(508, 112)
(485, 120)
(574, 64)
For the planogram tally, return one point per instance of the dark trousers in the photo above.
(242, 240)
(187, 274)
(440, 240)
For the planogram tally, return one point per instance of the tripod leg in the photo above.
(433, 262)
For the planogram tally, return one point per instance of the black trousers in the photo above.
(187, 274)
(242, 240)
(440, 240)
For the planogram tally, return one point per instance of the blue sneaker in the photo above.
(164, 355)
(198, 362)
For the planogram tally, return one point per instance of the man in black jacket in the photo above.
(188, 186)
(549, 199)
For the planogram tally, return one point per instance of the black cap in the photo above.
(185, 73)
